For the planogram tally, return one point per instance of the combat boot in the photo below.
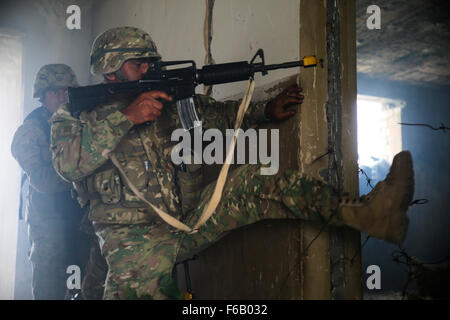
(382, 212)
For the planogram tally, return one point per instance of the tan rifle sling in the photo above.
(217, 194)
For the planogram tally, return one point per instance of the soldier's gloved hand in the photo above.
(276, 108)
(146, 107)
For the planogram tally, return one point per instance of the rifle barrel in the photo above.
(285, 65)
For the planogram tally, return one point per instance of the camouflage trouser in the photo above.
(56, 244)
(93, 283)
(141, 257)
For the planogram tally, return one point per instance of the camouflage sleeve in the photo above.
(81, 146)
(222, 115)
(30, 148)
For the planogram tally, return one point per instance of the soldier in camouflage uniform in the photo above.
(139, 247)
(53, 215)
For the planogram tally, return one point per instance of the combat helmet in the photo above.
(53, 76)
(117, 45)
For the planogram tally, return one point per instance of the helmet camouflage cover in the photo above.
(53, 76)
(117, 45)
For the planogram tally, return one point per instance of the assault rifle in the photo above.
(178, 83)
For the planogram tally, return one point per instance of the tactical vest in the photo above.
(145, 155)
(37, 114)
(41, 115)
(46, 204)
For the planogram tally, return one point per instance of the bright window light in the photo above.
(371, 133)
(11, 98)
(379, 134)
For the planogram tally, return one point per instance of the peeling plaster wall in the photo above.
(239, 29)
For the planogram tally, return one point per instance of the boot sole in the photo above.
(402, 173)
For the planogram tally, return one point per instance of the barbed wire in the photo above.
(352, 259)
(419, 201)
(441, 127)
(369, 183)
(305, 251)
(357, 253)
(330, 151)
(397, 255)
(369, 180)
(325, 225)
(411, 262)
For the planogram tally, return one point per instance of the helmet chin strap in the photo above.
(120, 76)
